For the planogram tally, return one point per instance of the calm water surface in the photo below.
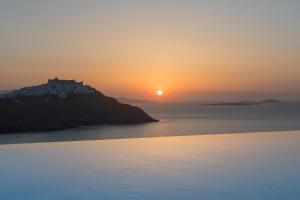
(228, 166)
(203, 165)
(182, 119)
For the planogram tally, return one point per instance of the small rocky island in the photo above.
(60, 104)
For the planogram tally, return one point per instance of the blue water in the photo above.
(222, 167)
(197, 162)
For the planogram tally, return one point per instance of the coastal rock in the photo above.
(61, 104)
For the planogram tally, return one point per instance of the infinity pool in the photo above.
(229, 166)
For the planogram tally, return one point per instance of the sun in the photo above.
(159, 92)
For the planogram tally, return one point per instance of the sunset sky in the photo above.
(190, 49)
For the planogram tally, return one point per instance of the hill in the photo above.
(60, 104)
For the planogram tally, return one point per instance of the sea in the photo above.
(195, 151)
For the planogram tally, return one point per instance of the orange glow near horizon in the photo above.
(123, 50)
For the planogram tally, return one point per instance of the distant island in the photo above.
(60, 104)
(247, 103)
(135, 101)
(237, 103)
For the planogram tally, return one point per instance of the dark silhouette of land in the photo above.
(61, 104)
(249, 103)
